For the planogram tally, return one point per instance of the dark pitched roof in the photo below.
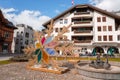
(84, 5)
(5, 22)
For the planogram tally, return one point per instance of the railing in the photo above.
(82, 41)
(83, 31)
(81, 22)
(80, 13)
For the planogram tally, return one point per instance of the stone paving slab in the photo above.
(18, 71)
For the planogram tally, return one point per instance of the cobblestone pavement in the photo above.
(18, 71)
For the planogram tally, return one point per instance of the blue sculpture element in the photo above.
(50, 51)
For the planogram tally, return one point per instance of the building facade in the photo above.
(6, 34)
(93, 30)
(23, 36)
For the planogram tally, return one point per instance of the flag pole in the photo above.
(72, 2)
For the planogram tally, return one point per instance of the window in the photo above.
(109, 28)
(6, 34)
(27, 35)
(104, 19)
(61, 21)
(56, 29)
(26, 42)
(105, 38)
(65, 21)
(98, 19)
(99, 38)
(60, 38)
(61, 29)
(17, 41)
(99, 28)
(118, 37)
(83, 49)
(104, 28)
(110, 38)
(21, 32)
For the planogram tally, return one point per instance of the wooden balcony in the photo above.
(82, 22)
(83, 31)
(82, 41)
(81, 13)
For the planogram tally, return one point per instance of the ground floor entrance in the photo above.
(94, 50)
(97, 50)
(5, 48)
(110, 50)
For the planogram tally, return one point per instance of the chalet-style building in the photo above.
(93, 30)
(6, 34)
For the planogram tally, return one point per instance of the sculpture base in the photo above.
(61, 71)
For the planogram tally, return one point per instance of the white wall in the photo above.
(109, 22)
(58, 25)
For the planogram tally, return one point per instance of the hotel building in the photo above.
(93, 30)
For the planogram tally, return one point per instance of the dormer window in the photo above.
(65, 21)
(98, 19)
(61, 21)
(104, 19)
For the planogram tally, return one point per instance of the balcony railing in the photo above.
(81, 22)
(83, 31)
(80, 13)
(82, 41)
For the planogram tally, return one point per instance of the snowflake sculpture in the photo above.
(46, 46)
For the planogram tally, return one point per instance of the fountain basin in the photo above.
(112, 74)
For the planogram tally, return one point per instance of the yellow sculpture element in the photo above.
(60, 34)
(38, 45)
(50, 29)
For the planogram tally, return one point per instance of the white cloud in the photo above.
(8, 10)
(31, 18)
(110, 5)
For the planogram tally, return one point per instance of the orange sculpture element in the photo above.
(45, 56)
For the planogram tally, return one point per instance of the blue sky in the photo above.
(36, 12)
(46, 7)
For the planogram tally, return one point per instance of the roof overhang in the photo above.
(117, 18)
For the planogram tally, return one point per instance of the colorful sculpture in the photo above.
(46, 46)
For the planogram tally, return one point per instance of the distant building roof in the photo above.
(24, 25)
(82, 6)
